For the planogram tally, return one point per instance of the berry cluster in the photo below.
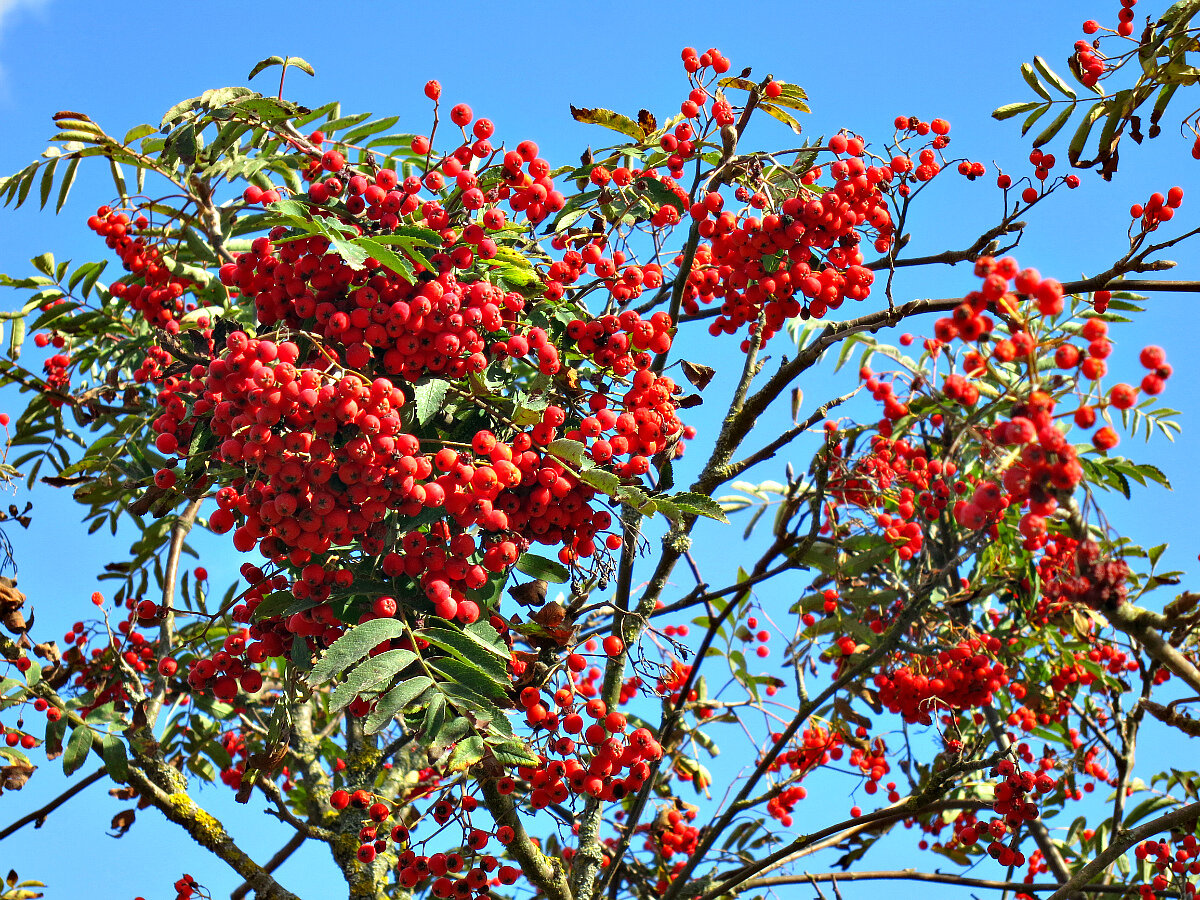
(156, 293)
(959, 677)
(1078, 573)
(1157, 209)
(1172, 861)
(802, 259)
(1013, 801)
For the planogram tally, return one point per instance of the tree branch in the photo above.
(166, 633)
(934, 877)
(546, 873)
(1122, 841)
(281, 856)
(39, 815)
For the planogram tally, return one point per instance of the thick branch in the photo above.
(1122, 841)
(209, 833)
(281, 856)
(546, 873)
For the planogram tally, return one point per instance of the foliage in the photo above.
(421, 378)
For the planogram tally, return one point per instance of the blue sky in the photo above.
(522, 64)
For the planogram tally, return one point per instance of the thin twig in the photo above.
(39, 815)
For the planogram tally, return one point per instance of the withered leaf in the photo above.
(550, 616)
(68, 481)
(646, 120)
(122, 822)
(699, 375)
(13, 778)
(531, 593)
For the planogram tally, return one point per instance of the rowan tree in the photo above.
(436, 390)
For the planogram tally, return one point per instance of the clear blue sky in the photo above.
(522, 64)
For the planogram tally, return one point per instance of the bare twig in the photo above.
(39, 815)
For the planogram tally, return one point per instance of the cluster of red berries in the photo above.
(802, 259)
(959, 677)
(157, 295)
(1154, 358)
(188, 887)
(1091, 64)
(1014, 801)
(382, 320)
(671, 834)
(1124, 26)
(1157, 209)
(229, 669)
(928, 486)
(624, 280)
(592, 764)
(1081, 574)
(928, 165)
(1172, 861)
(462, 873)
(818, 746)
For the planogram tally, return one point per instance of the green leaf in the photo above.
(1033, 117)
(609, 119)
(353, 646)
(1160, 102)
(570, 452)
(792, 96)
(388, 258)
(265, 64)
(181, 144)
(467, 646)
(1181, 11)
(353, 137)
(1146, 808)
(660, 194)
(461, 674)
(773, 110)
(514, 753)
(430, 398)
(1046, 72)
(77, 749)
(370, 674)
(466, 753)
(16, 337)
(700, 505)
(44, 264)
(435, 718)
(1115, 107)
(1079, 139)
(354, 255)
(546, 569)
(602, 480)
(474, 705)
(334, 125)
(636, 499)
(395, 700)
(47, 180)
(137, 132)
(1008, 110)
(1031, 79)
(177, 111)
(1054, 127)
(115, 760)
